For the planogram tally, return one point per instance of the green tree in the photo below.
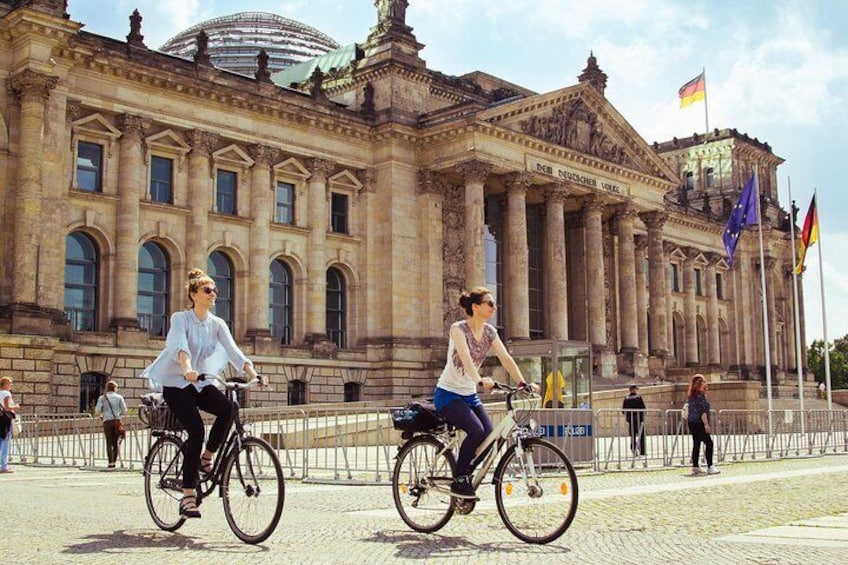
(838, 353)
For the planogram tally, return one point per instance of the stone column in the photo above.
(261, 205)
(131, 179)
(556, 279)
(713, 327)
(657, 282)
(199, 198)
(316, 294)
(517, 260)
(689, 309)
(475, 174)
(627, 280)
(593, 225)
(641, 244)
(32, 90)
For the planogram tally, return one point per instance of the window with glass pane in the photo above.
(89, 166)
(161, 179)
(296, 392)
(719, 286)
(690, 180)
(710, 177)
(221, 271)
(153, 276)
(699, 289)
(81, 259)
(675, 277)
(92, 386)
(285, 203)
(280, 302)
(336, 308)
(338, 212)
(352, 392)
(225, 196)
(534, 274)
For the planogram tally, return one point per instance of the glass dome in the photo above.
(235, 41)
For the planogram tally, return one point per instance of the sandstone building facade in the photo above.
(343, 214)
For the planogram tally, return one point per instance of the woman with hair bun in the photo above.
(197, 342)
(456, 392)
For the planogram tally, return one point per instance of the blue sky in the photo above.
(776, 70)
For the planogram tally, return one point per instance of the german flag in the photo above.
(809, 235)
(692, 91)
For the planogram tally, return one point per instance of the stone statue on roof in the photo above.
(393, 11)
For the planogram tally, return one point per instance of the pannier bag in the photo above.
(417, 416)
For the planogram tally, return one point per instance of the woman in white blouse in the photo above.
(198, 342)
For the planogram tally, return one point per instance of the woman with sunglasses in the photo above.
(456, 392)
(198, 342)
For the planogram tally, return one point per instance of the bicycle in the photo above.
(246, 470)
(535, 485)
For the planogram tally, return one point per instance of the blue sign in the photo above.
(570, 430)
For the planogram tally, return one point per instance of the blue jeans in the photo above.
(4, 450)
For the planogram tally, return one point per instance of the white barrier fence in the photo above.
(358, 445)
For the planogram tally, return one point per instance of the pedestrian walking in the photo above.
(111, 407)
(699, 424)
(633, 409)
(8, 414)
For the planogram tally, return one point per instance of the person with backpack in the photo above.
(698, 419)
(111, 407)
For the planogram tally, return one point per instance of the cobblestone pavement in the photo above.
(769, 512)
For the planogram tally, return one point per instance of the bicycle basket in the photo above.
(417, 416)
(525, 405)
(161, 419)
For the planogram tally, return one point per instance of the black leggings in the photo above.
(699, 434)
(476, 424)
(185, 403)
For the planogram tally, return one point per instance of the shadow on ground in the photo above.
(121, 542)
(411, 545)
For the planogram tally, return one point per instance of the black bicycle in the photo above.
(247, 471)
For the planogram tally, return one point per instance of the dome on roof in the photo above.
(235, 41)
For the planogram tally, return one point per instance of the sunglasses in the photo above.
(491, 303)
(210, 289)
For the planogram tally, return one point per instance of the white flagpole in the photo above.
(798, 358)
(766, 344)
(824, 310)
(706, 113)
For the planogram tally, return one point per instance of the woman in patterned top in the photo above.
(699, 424)
(456, 392)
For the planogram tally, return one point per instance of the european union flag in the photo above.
(743, 214)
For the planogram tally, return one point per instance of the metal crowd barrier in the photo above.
(358, 444)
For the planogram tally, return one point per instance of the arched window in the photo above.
(221, 271)
(352, 391)
(336, 308)
(92, 385)
(280, 302)
(689, 180)
(297, 392)
(153, 283)
(81, 269)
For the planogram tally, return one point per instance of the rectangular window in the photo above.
(161, 180)
(225, 194)
(675, 277)
(699, 288)
(338, 211)
(285, 203)
(89, 167)
(719, 286)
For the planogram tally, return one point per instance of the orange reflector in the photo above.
(404, 489)
(563, 488)
(508, 488)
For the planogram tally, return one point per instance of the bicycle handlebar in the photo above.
(257, 381)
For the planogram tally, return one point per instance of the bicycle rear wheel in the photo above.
(163, 482)
(421, 484)
(253, 489)
(536, 491)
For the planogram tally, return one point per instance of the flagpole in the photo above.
(798, 359)
(766, 344)
(706, 113)
(824, 311)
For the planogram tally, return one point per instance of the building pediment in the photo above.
(582, 120)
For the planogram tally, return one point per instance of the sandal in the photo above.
(188, 507)
(206, 465)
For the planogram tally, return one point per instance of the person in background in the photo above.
(822, 390)
(699, 424)
(456, 392)
(198, 342)
(9, 413)
(633, 409)
(111, 408)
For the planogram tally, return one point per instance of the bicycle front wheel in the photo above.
(163, 482)
(421, 484)
(253, 489)
(536, 491)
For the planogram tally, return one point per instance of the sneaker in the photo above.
(461, 487)
(697, 471)
(713, 470)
